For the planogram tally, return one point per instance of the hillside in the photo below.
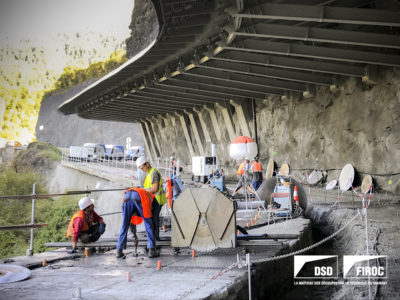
(28, 69)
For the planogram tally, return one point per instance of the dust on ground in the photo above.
(383, 239)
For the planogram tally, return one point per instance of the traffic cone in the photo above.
(159, 265)
(296, 195)
(252, 222)
(193, 253)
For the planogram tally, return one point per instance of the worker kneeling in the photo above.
(85, 225)
(138, 202)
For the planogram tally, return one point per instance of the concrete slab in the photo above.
(102, 276)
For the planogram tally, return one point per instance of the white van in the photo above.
(114, 152)
(134, 152)
(99, 151)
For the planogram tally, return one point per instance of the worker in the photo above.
(139, 203)
(242, 174)
(174, 167)
(175, 180)
(153, 184)
(256, 170)
(85, 225)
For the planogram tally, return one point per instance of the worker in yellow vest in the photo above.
(85, 224)
(153, 184)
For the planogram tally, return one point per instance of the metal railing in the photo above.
(32, 226)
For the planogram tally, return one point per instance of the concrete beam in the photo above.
(151, 140)
(203, 124)
(146, 139)
(227, 119)
(196, 132)
(186, 133)
(243, 121)
(211, 110)
(156, 126)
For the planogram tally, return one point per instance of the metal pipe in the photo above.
(22, 226)
(30, 250)
(248, 261)
(255, 124)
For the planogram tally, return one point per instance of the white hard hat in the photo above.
(171, 158)
(141, 161)
(85, 202)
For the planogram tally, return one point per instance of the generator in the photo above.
(203, 167)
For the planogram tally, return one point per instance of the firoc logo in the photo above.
(315, 266)
(365, 266)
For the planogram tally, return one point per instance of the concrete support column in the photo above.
(151, 140)
(203, 124)
(228, 120)
(171, 118)
(211, 110)
(156, 127)
(185, 127)
(146, 139)
(241, 117)
(196, 132)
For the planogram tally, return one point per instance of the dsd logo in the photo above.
(365, 266)
(315, 266)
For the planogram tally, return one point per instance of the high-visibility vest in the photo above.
(256, 167)
(146, 199)
(160, 195)
(169, 191)
(240, 170)
(78, 214)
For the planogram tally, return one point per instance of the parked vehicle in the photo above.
(134, 152)
(80, 153)
(114, 152)
(99, 150)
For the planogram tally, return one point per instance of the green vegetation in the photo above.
(56, 213)
(20, 98)
(74, 76)
(39, 156)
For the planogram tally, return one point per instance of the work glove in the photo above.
(72, 251)
(102, 228)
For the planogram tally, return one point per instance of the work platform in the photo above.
(103, 276)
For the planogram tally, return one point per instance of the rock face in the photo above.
(356, 125)
(65, 131)
(144, 27)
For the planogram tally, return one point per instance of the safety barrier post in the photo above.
(248, 262)
(30, 250)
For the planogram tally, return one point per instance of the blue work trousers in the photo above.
(156, 208)
(129, 208)
(256, 184)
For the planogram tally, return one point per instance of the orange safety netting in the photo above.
(243, 140)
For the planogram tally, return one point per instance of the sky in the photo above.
(34, 19)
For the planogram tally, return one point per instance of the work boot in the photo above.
(120, 254)
(153, 253)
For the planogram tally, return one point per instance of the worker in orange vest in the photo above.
(141, 204)
(242, 173)
(256, 170)
(85, 225)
